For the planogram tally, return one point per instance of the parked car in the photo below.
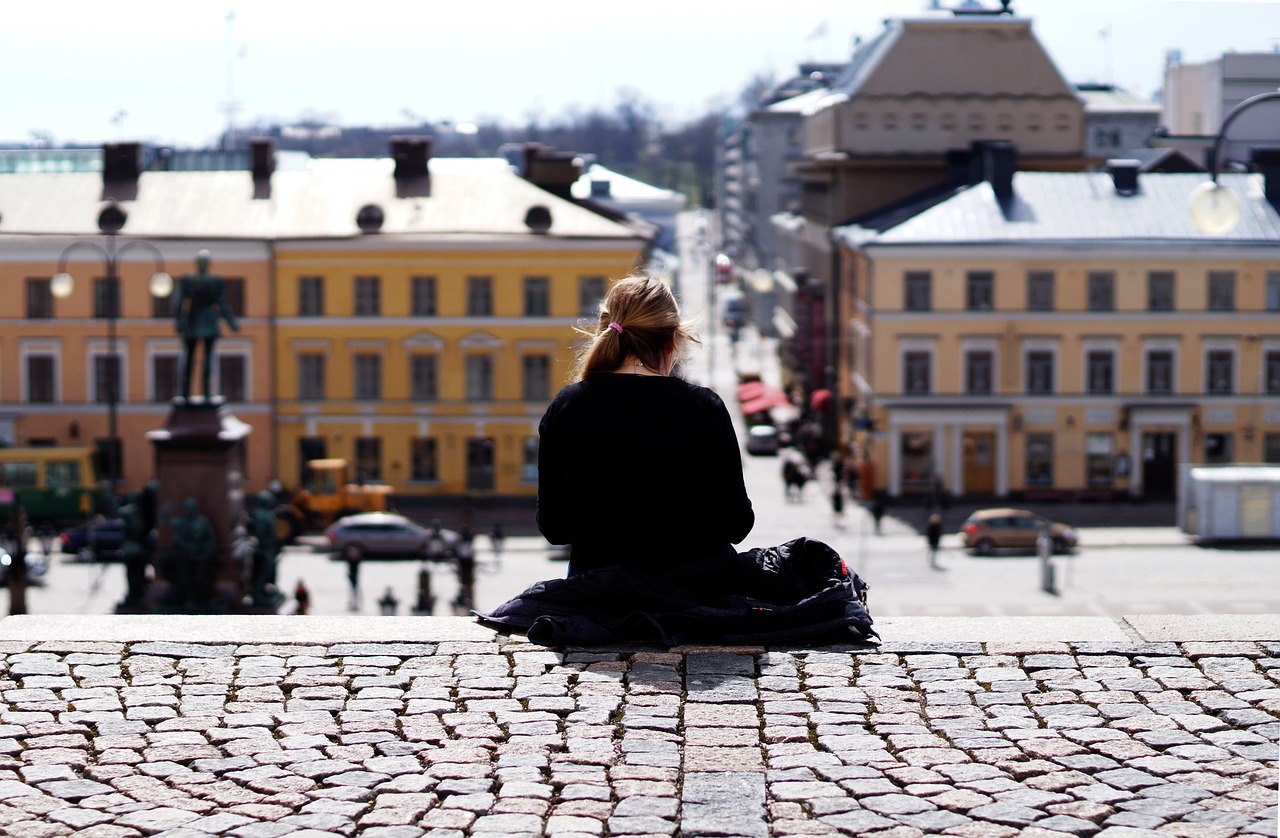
(98, 540)
(988, 530)
(763, 440)
(37, 567)
(386, 535)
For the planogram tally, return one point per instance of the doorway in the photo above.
(979, 463)
(1159, 464)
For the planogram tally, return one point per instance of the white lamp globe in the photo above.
(1214, 208)
(160, 285)
(61, 285)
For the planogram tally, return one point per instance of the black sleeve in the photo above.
(735, 515)
(553, 491)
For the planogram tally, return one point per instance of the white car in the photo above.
(763, 440)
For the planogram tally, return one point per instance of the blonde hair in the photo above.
(638, 317)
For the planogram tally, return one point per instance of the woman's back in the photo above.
(643, 469)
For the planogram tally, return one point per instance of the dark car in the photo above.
(988, 530)
(99, 540)
(386, 535)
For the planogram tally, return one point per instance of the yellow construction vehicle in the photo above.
(329, 494)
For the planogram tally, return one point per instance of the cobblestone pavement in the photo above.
(496, 736)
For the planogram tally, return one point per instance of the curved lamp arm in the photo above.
(1214, 208)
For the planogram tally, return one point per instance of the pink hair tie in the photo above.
(616, 327)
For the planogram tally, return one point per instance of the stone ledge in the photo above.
(361, 629)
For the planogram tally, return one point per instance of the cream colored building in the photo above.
(1065, 335)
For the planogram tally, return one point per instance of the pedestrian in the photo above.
(497, 538)
(302, 597)
(353, 579)
(878, 510)
(933, 535)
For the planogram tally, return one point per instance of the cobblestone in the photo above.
(468, 738)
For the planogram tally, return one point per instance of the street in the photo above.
(1116, 570)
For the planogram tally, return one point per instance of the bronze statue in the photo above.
(266, 556)
(136, 549)
(199, 302)
(188, 564)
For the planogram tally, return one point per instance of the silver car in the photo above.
(386, 535)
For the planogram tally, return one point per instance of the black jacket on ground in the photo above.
(800, 591)
(637, 469)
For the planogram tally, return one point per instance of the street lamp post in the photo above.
(111, 221)
(1214, 208)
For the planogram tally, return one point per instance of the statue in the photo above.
(136, 550)
(199, 302)
(267, 555)
(188, 564)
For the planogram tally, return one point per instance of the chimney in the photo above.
(1267, 161)
(262, 158)
(413, 176)
(1124, 174)
(121, 166)
(999, 162)
(554, 171)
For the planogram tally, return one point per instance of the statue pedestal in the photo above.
(200, 455)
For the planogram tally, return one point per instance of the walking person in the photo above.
(933, 535)
(878, 509)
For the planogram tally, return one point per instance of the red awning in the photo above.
(770, 397)
(750, 390)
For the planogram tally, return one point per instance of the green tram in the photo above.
(56, 487)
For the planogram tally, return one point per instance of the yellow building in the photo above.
(1065, 335)
(412, 315)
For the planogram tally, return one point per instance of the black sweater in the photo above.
(636, 469)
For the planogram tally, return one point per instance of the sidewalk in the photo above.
(265, 726)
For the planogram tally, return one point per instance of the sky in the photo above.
(83, 71)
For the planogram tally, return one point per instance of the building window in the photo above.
(1040, 291)
(980, 291)
(422, 457)
(1271, 367)
(1220, 372)
(41, 376)
(1219, 448)
(233, 289)
(106, 302)
(536, 378)
(311, 296)
(311, 377)
(106, 378)
(39, 299)
(1273, 291)
(1222, 290)
(1039, 459)
(1160, 291)
(1160, 372)
(917, 459)
(1102, 291)
(480, 463)
(978, 368)
(162, 307)
(479, 296)
(537, 296)
(529, 465)
(310, 448)
(368, 462)
(164, 377)
(424, 378)
(1271, 447)
(919, 291)
(915, 373)
(368, 296)
(1099, 459)
(1040, 372)
(1100, 372)
(368, 377)
(111, 454)
(479, 378)
(590, 293)
(423, 291)
(232, 377)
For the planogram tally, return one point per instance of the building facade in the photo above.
(1067, 335)
(411, 315)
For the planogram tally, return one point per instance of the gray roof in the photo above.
(1084, 208)
(469, 198)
